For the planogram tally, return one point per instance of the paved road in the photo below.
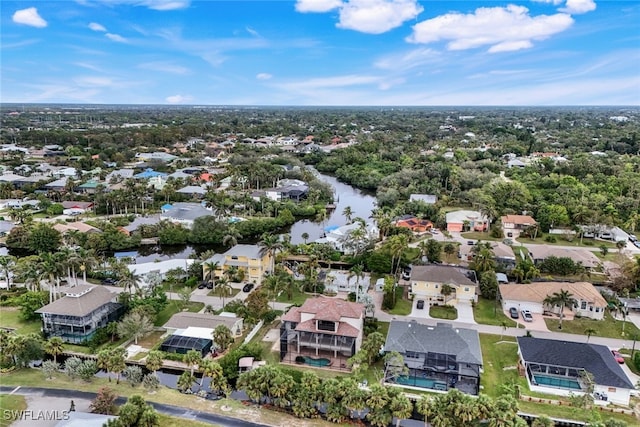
(44, 398)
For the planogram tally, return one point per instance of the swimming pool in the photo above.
(422, 382)
(321, 362)
(557, 382)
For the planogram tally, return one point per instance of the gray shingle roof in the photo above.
(88, 299)
(443, 338)
(183, 320)
(594, 358)
(441, 274)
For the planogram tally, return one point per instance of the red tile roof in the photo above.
(324, 308)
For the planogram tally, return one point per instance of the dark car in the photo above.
(470, 242)
(108, 281)
(247, 287)
(420, 304)
(209, 285)
(202, 285)
(406, 273)
(513, 312)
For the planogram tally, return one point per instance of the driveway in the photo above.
(465, 312)
(420, 313)
(538, 323)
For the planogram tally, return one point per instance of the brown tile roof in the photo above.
(581, 255)
(326, 309)
(86, 299)
(537, 292)
(344, 329)
(518, 219)
(184, 319)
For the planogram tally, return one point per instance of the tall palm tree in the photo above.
(7, 265)
(130, 280)
(231, 237)
(210, 268)
(269, 245)
(50, 269)
(54, 346)
(193, 358)
(348, 213)
(224, 287)
(87, 260)
(446, 290)
(357, 271)
(563, 299)
(425, 407)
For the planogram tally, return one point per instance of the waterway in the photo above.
(361, 204)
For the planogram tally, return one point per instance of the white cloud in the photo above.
(115, 37)
(252, 32)
(366, 16)
(166, 67)
(500, 28)
(97, 27)
(93, 81)
(576, 7)
(162, 5)
(178, 99)
(263, 76)
(407, 60)
(317, 5)
(30, 17)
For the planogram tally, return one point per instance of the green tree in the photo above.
(371, 346)
(563, 299)
(193, 358)
(44, 238)
(29, 302)
(135, 324)
(154, 360)
(55, 347)
(222, 337)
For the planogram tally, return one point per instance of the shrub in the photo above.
(133, 374)
(104, 403)
(177, 357)
(72, 367)
(150, 382)
(87, 369)
(550, 238)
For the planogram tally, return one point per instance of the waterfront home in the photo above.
(428, 282)
(251, 259)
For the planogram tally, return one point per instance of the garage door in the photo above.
(533, 307)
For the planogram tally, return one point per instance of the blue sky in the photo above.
(321, 52)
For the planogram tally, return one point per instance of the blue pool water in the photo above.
(422, 382)
(317, 362)
(557, 382)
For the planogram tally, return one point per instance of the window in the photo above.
(466, 289)
(326, 325)
(597, 309)
(611, 389)
(591, 308)
(583, 305)
(412, 355)
(436, 286)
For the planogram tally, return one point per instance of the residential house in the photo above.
(345, 281)
(119, 175)
(439, 357)
(588, 259)
(295, 190)
(429, 199)
(427, 282)
(504, 255)
(185, 213)
(64, 228)
(590, 303)
(558, 367)
(185, 319)
(181, 341)
(138, 222)
(193, 191)
(514, 224)
(464, 220)
(348, 239)
(89, 187)
(80, 313)
(414, 224)
(251, 259)
(322, 332)
(58, 185)
(157, 270)
(72, 204)
(159, 156)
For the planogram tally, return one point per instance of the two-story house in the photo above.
(438, 357)
(442, 284)
(514, 224)
(249, 258)
(322, 332)
(80, 313)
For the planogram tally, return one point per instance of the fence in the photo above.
(253, 332)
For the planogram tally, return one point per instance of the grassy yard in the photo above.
(403, 306)
(443, 312)
(608, 327)
(10, 318)
(298, 297)
(500, 356)
(486, 313)
(151, 340)
(175, 306)
(229, 294)
(560, 241)
(478, 235)
(13, 402)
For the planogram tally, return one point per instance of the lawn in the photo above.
(229, 294)
(443, 312)
(13, 402)
(478, 235)
(151, 340)
(10, 318)
(486, 313)
(607, 328)
(500, 356)
(403, 306)
(298, 297)
(175, 306)
(560, 241)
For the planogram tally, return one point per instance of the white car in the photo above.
(527, 316)
(434, 231)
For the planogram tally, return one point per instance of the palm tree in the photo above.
(50, 269)
(222, 337)
(87, 260)
(210, 268)
(7, 264)
(348, 213)
(185, 381)
(213, 370)
(563, 299)
(446, 290)
(231, 238)
(224, 287)
(425, 407)
(400, 406)
(356, 271)
(193, 358)
(588, 332)
(153, 361)
(129, 279)
(54, 346)
(269, 245)
(305, 237)
(449, 249)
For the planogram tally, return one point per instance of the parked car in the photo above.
(209, 285)
(108, 281)
(637, 244)
(470, 242)
(420, 304)
(617, 356)
(527, 316)
(434, 231)
(633, 237)
(513, 312)
(247, 287)
(202, 285)
(406, 273)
